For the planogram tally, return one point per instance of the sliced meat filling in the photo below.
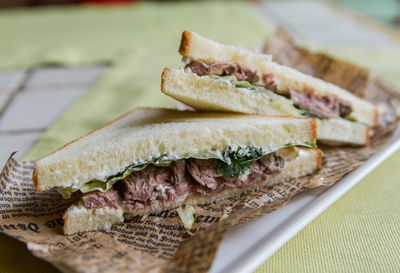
(223, 69)
(322, 106)
(328, 106)
(177, 182)
(101, 199)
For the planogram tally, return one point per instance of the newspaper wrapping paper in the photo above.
(159, 242)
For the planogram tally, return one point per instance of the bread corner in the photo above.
(164, 76)
(184, 47)
(314, 129)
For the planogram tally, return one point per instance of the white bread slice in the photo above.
(298, 162)
(81, 219)
(213, 52)
(196, 47)
(144, 134)
(205, 94)
(338, 132)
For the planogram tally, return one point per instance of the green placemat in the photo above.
(91, 34)
(64, 36)
(134, 79)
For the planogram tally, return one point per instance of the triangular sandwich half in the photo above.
(151, 160)
(221, 77)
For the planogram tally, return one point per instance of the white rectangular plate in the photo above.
(245, 248)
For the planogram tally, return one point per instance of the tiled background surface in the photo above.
(30, 101)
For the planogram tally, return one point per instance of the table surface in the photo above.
(31, 100)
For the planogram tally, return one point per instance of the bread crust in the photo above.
(319, 158)
(315, 129)
(35, 178)
(185, 43)
(376, 116)
(164, 79)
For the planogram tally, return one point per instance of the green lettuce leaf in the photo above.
(309, 115)
(237, 161)
(99, 185)
(309, 144)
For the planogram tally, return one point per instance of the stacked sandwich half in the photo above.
(151, 160)
(220, 77)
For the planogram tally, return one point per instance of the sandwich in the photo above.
(151, 160)
(219, 77)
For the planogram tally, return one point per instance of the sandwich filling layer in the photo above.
(328, 106)
(181, 179)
